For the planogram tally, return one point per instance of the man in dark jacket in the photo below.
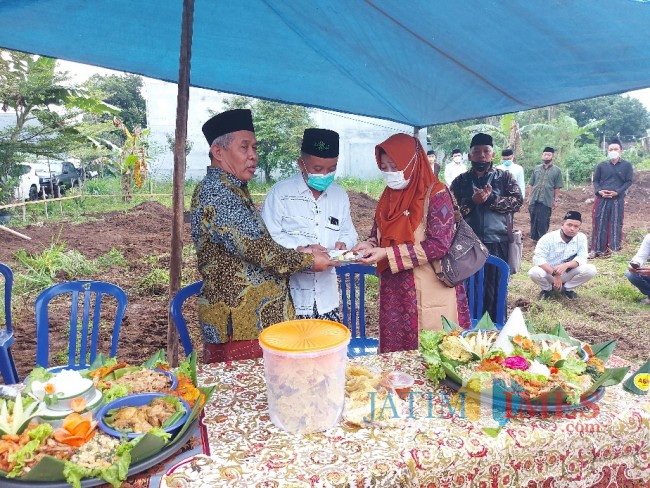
(487, 198)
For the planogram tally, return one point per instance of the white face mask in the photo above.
(457, 159)
(395, 179)
(613, 155)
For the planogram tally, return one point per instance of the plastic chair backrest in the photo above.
(7, 365)
(9, 283)
(475, 287)
(85, 355)
(176, 311)
(354, 316)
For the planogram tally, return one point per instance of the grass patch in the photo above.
(113, 258)
(41, 269)
(154, 283)
(374, 188)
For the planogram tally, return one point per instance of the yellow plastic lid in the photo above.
(304, 335)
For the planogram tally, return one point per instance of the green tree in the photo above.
(508, 133)
(447, 137)
(582, 161)
(626, 117)
(124, 92)
(279, 128)
(46, 110)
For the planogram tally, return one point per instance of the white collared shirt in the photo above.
(642, 254)
(295, 218)
(552, 250)
(517, 172)
(452, 170)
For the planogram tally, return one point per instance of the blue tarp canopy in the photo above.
(419, 62)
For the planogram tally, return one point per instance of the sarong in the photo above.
(231, 351)
(540, 220)
(607, 218)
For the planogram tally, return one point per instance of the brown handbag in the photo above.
(465, 256)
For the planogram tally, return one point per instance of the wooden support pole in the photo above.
(182, 107)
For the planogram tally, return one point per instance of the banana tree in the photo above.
(132, 158)
(508, 133)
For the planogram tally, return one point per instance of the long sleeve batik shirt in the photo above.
(244, 270)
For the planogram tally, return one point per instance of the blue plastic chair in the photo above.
(84, 355)
(176, 311)
(7, 365)
(354, 314)
(474, 285)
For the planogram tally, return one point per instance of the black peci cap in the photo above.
(322, 143)
(481, 139)
(573, 215)
(227, 122)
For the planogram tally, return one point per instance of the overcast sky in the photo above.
(81, 72)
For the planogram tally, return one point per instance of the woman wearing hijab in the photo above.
(414, 226)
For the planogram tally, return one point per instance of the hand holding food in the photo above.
(374, 255)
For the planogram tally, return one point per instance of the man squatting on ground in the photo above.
(639, 272)
(560, 259)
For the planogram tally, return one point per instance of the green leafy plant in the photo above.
(113, 258)
(154, 283)
(42, 268)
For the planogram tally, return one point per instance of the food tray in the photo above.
(135, 468)
(337, 255)
(499, 401)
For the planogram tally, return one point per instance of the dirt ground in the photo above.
(143, 235)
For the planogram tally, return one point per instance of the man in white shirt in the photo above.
(309, 210)
(454, 167)
(508, 164)
(560, 259)
(639, 271)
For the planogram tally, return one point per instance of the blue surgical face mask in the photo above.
(320, 182)
(506, 162)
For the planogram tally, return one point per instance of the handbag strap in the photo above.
(509, 220)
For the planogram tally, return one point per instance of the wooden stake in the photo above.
(182, 103)
(17, 234)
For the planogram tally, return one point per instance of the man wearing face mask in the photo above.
(310, 211)
(486, 196)
(508, 164)
(544, 190)
(244, 271)
(560, 259)
(612, 179)
(454, 167)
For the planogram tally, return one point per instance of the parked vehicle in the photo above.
(70, 176)
(29, 185)
(48, 174)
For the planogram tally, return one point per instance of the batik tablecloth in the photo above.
(608, 446)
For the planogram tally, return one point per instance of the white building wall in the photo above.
(359, 135)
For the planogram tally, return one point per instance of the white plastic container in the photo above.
(304, 368)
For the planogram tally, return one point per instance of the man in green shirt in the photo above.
(543, 192)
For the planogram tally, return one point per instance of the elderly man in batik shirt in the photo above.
(244, 270)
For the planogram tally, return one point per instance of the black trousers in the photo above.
(540, 220)
(492, 275)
